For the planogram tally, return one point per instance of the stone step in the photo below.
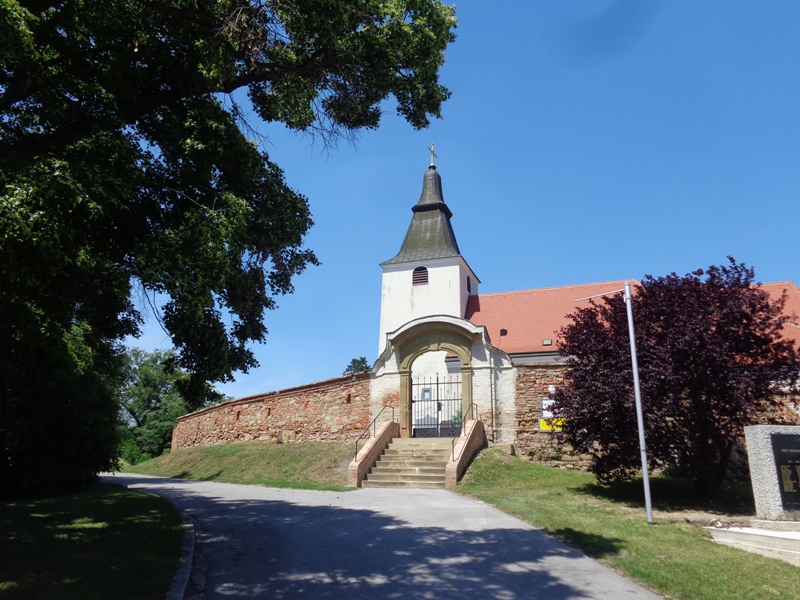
(786, 543)
(411, 470)
(410, 464)
(413, 440)
(422, 441)
(409, 440)
(441, 454)
(431, 451)
(402, 484)
(383, 475)
(414, 479)
(422, 451)
(413, 443)
(425, 447)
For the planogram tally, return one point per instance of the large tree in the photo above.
(356, 365)
(128, 175)
(150, 402)
(711, 360)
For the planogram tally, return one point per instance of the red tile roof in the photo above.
(530, 317)
(791, 308)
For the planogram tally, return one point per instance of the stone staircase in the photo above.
(411, 463)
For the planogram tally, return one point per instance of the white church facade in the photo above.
(437, 366)
(438, 359)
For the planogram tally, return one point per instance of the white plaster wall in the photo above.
(466, 271)
(445, 294)
(384, 385)
(493, 389)
(429, 365)
(493, 382)
(505, 404)
(481, 387)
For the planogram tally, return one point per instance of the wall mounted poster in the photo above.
(786, 450)
(549, 421)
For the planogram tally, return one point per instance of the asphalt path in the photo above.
(259, 542)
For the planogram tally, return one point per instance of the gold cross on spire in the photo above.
(433, 154)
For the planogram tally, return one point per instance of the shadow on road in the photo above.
(315, 548)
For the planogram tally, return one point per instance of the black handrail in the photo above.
(373, 425)
(464, 420)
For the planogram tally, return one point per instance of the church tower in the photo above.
(428, 276)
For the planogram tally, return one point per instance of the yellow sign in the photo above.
(554, 424)
(548, 421)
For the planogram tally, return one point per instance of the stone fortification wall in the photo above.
(532, 384)
(336, 409)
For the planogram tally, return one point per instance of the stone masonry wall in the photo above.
(336, 409)
(532, 383)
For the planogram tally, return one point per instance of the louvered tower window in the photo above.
(420, 276)
(469, 285)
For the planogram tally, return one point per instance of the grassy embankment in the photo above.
(104, 542)
(310, 465)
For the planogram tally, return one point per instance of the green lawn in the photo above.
(103, 543)
(674, 558)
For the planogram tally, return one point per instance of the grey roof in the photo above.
(430, 234)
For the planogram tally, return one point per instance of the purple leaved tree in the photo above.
(711, 360)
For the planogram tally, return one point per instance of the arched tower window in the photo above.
(420, 276)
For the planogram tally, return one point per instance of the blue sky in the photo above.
(585, 141)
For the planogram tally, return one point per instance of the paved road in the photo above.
(257, 542)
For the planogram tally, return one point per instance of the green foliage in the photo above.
(457, 419)
(150, 403)
(103, 542)
(57, 410)
(357, 365)
(126, 172)
(711, 360)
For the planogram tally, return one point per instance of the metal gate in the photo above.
(436, 406)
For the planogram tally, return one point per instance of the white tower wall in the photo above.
(446, 293)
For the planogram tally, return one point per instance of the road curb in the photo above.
(180, 581)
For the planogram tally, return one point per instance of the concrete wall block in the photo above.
(764, 472)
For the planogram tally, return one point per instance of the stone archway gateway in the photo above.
(432, 335)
